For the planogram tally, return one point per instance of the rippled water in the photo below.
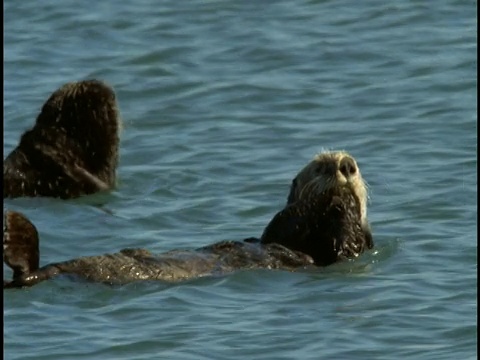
(223, 102)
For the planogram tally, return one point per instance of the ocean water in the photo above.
(223, 102)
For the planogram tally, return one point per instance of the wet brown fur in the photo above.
(73, 148)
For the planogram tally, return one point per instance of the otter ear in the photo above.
(293, 190)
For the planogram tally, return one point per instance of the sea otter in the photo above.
(321, 205)
(323, 222)
(73, 148)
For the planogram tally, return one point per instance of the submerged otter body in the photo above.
(73, 148)
(324, 222)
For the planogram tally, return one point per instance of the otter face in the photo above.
(329, 170)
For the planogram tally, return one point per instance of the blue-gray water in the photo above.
(223, 102)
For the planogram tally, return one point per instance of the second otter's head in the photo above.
(87, 113)
(329, 170)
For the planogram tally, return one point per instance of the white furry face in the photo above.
(328, 170)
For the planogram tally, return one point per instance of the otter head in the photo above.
(330, 170)
(326, 214)
(73, 148)
(83, 117)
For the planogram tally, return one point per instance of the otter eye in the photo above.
(347, 166)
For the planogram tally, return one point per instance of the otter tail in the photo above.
(20, 247)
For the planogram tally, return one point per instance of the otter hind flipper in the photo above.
(20, 244)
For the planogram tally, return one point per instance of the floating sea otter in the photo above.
(324, 221)
(73, 148)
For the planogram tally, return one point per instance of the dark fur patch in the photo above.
(20, 244)
(327, 227)
(73, 148)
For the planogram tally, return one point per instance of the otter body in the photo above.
(328, 228)
(131, 265)
(323, 222)
(73, 148)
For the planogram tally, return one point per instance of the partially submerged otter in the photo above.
(73, 148)
(323, 222)
(326, 212)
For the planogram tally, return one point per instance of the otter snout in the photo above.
(328, 170)
(347, 167)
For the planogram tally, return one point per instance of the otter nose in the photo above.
(347, 166)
